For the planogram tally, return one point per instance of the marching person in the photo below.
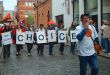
(72, 27)
(29, 45)
(106, 36)
(62, 45)
(6, 48)
(40, 48)
(18, 46)
(51, 44)
(87, 54)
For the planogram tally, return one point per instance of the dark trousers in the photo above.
(61, 49)
(106, 45)
(29, 47)
(92, 61)
(40, 49)
(50, 48)
(6, 51)
(72, 49)
(18, 47)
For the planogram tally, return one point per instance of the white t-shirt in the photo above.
(86, 46)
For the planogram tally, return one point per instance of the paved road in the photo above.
(47, 65)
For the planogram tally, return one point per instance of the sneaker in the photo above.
(17, 54)
(29, 54)
(103, 50)
(108, 53)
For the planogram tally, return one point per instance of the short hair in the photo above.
(84, 15)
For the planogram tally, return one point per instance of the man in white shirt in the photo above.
(86, 35)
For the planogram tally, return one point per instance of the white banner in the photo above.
(20, 37)
(62, 36)
(73, 36)
(51, 35)
(6, 38)
(29, 37)
(41, 37)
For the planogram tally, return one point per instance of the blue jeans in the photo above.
(50, 48)
(92, 61)
(102, 43)
(72, 49)
(106, 44)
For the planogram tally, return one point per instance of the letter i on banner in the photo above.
(73, 36)
(62, 36)
(20, 38)
(29, 37)
(41, 37)
(51, 35)
(6, 38)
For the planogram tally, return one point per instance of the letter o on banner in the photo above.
(41, 37)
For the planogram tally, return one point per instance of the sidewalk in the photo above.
(102, 54)
(106, 55)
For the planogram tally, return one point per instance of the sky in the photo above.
(9, 4)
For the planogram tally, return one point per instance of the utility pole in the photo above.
(36, 11)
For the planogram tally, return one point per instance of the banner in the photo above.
(41, 37)
(29, 37)
(62, 36)
(51, 35)
(20, 37)
(6, 38)
(73, 36)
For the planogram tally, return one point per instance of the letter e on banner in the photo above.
(41, 37)
(73, 36)
(62, 36)
(51, 35)
(29, 37)
(20, 38)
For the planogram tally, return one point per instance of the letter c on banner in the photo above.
(19, 37)
(42, 37)
(60, 36)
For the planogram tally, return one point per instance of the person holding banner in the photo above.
(87, 54)
(6, 47)
(51, 44)
(40, 46)
(18, 46)
(72, 28)
(29, 44)
(62, 45)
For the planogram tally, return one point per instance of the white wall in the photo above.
(59, 8)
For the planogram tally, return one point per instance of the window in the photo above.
(26, 3)
(30, 4)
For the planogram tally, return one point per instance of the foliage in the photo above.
(30, 19)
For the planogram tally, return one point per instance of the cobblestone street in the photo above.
(47, 65)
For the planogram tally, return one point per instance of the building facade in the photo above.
(97, 9)
(42, 12)
(58, 10)
(1, 10)
(25, 8)
(62, 12)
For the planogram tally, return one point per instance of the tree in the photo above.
(30, 19)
